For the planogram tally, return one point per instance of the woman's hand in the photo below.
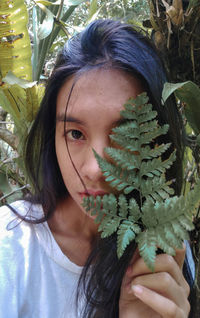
(163, 293)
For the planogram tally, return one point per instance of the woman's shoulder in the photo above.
(12, 225)
(19, 210)
(18, 239)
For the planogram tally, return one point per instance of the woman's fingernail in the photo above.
(137, 290)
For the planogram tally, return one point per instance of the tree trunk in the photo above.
(176, 34)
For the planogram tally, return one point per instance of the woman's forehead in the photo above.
(96, 91)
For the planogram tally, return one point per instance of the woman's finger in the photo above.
(163, 263)
(167, 286)
(165, 307)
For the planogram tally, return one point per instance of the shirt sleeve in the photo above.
(11, 260)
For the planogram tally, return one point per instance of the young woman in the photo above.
(53, 262)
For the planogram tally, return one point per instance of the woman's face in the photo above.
(93, 110)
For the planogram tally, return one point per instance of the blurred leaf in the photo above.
(22, 104)
(193, 4)
(35, 47)
(189, 94)
(11, 79)
(93, 12)
(16, 97)
(198, 140)
(47, 25)
(5, 187)
(9, 104)
(15, 48)
(47, 3)
(8, 192)
(34, 96)
(4, 102)
(67, 2)
(73, 2)
(93, 9)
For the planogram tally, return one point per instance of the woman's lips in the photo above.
(94, 193)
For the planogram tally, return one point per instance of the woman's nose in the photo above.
(91, 169)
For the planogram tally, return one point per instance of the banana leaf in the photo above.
(15, 48)
(21, 99)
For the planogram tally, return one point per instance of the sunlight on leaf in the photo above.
(47, 25)
(15, 48)
(11, 79)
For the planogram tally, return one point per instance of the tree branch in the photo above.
(9, 138)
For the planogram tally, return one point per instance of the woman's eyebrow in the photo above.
(69, 119)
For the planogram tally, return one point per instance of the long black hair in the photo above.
(104, 43)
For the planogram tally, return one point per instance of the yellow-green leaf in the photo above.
(33, 98)
(15, 48)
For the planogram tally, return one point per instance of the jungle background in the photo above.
(31, 34)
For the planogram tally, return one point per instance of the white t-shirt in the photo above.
(36, 279)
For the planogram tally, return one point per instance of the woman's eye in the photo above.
(75, 135)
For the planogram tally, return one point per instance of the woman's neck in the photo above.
(73, 230)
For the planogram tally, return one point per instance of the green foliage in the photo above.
(49, 19)
(189, 94)
(19, 96)
(152, 216)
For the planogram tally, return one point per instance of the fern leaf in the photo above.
(149, 115)
(156, 187)
(123, 206)
(162, 243)
(148, 153)
(186, 222)
(179, 230)
(112, 204)
(127, 143)
(156, 167)
(128, 125)
(88, 203)
(140, 100)
(149, 214)
(125, 159)
(128, 189)
(148, 218)
(145, 109)
(128, 114)
(128, 130)
(147, 138)
(112, 173)
(147, 247)
(118, 178)
(134, 211)
(148, 126)
(171, 237)
(108, 226)
(126, 233)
